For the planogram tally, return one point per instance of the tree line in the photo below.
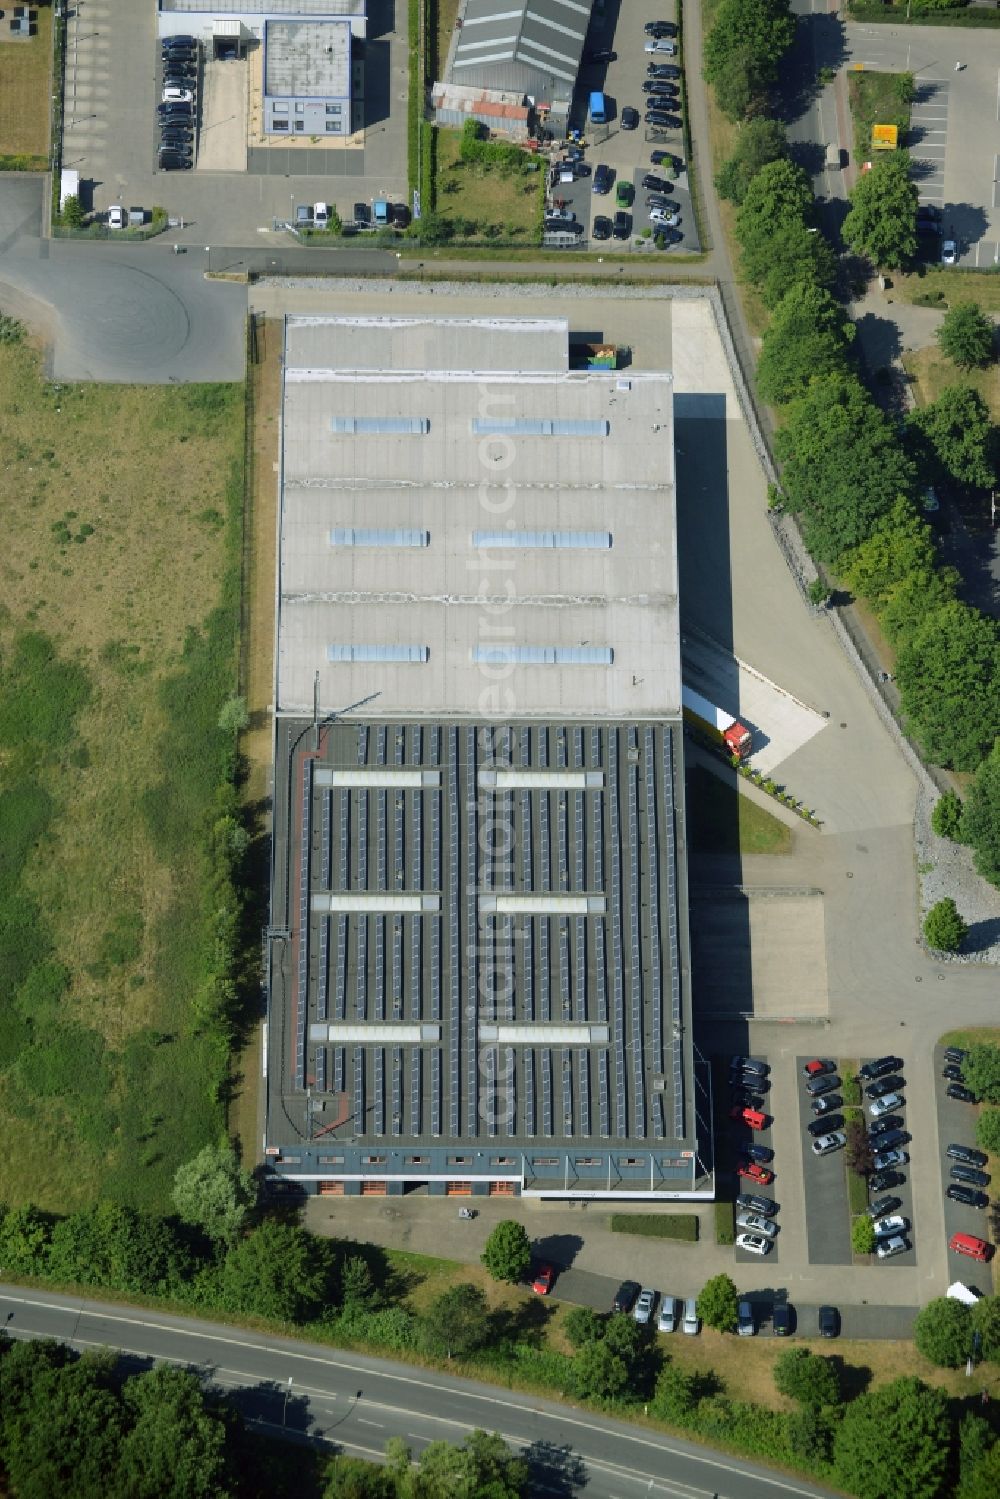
(860, 483)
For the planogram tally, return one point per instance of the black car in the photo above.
(399, 216)
(746, 1100)
(660, 29)
(971, 1197)
(180, 149)
(181, 140)
(625, 1296)
(955, 1054)
(630, 118)
(894, 1084)
(663, 70)
(175, 81)
(892, 1138)
(883, 1126)
(175, 107)
(872, 1071)
(180, 41)
(829, 1321)
(747, 1079)
(601, 54)
(960, 1093)
(883, 1206)
(970, 1176)
(603, 178)
(825, 1083)
(883, 1181)
(661, 102)
(664, 235)
(602, 227)
(967, 1155)
(762, 1153)
(666, 159)
(749, 1202)
(657, 117)
(362, 214)
(622, 227)
(783, 1320)
(562, 226)
(824, 1104)
(825, 1124)
(659, 86)
(173, 161)
(657, 184)
(953, 1074)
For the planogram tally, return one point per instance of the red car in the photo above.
(755, 1173)
(542, 1283)
(818, 1066)
(753, 1117)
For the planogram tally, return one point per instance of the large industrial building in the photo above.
(528, 48)
(478, 968)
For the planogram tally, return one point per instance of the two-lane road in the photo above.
(357, 1403)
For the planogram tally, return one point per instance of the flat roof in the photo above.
(446, 430)
(307, 59)
(267, 7)
(448, 937)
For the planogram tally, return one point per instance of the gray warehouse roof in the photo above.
(307, 59)
(533, 46)
(266, 7)
(407, 444)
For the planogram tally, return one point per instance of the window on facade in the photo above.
(588, 1160)
(300, 109)
(333, 109)
(502, 1160)
(279, 109)
(300, 124)
(458, 1160)
(416, 1160)
(331, 1160)
(546, 1160)
(332, 125)
(373, 1160)
(279, 124)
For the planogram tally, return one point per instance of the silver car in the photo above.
(826, 1143)
(756, 1224)
(643, 1309)
(670, 1310)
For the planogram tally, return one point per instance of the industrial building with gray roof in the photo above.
(478, 965)
(529, 47)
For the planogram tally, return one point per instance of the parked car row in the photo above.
(749, 1080)
(176, 113)
(826, 1127)
(642, 1302)
(966, 1164)
(888, 1137)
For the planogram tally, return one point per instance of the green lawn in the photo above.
(25, 66)
(483, 201)
(875, 100)
(117, 648)
(721, 821)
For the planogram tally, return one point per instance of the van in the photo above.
(970, 1245)
(691, 1323)
(833, 157)
(598, 108)
(321, 215)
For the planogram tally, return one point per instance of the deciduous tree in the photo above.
(966, 336)
(955, 431)
(717, 1303)
(174, 1447)
(582, 1325)
(759, 142)
(949, 681)
(507, 1254)
(806, 1377)
(215, 1192)
(599, 1372)
(863, 1235)
(946, 818)
(882, 222)
(894, 1440)
(809, 335)
(482, 1466)
(844, 465)
(278, 1271)
(981, 817)
(753, 34)
(981, 1070)
(986, 1312)
(457, 1322)
(943, 1332)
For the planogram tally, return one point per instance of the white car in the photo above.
(886, 1248)
(692, 1322)
(949, 250)
(663, 46)
(894, 1224)
(887, 1105)
(643, 1309)
(753, 1243)
(321, 215)
(178, 96)
(117, 217)
(670, 1309)
(827, 1143)
(756, 1224)
(670, 220)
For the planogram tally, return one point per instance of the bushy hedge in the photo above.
(657, 1225)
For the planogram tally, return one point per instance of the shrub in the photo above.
(988, 1131)
(946, 819)
(507, 1254)
(582, 1325)
(717, 1303)
(806, 1377)
(943, 1332)
(944, 927)
(863, 1235)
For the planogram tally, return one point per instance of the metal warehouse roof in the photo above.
(541, 38)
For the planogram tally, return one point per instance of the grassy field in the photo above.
(443, 13)
(942, 287)
(482, 200)
(25, 67)
(931, 372)
(117, 634)
(875, 99)
(721, 821)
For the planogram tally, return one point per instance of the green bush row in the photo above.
(918, 15)
(680, 1226)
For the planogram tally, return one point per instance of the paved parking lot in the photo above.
(955, 117)
(957, 1125)
(628, 152)
(828, 1219)
(110, 137)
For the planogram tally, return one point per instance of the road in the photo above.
(355, 1404)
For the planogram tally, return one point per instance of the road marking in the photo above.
(563, 1417)
(362, 1422)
